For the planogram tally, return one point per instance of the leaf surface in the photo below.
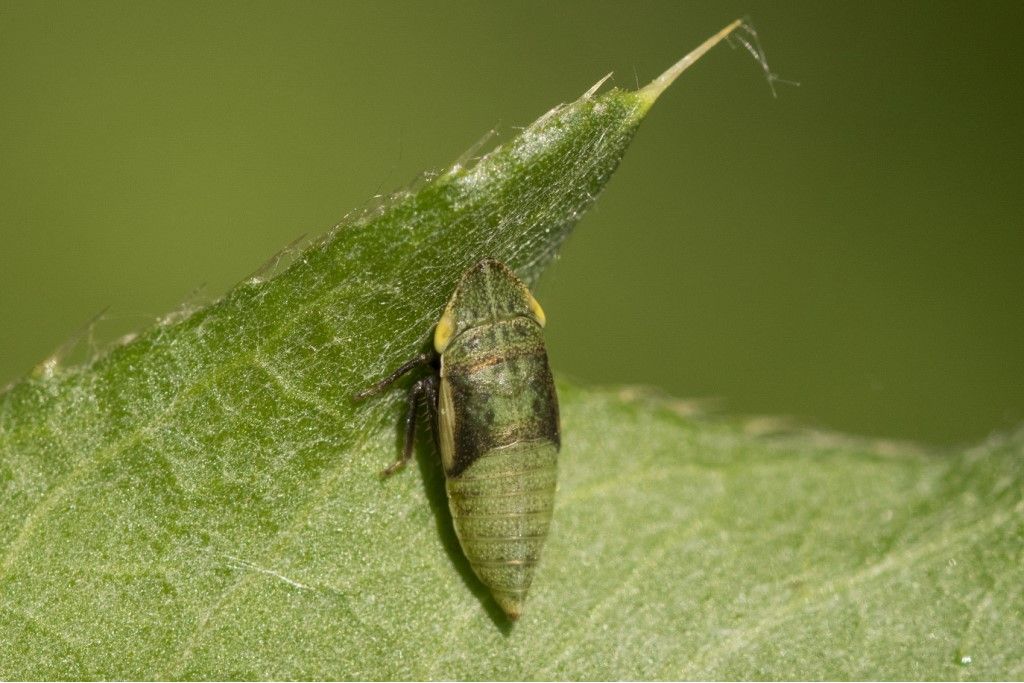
(203, 502)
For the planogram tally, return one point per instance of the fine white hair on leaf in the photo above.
(82, 338)
(746, 36)
(279, 261)
(597, 86)
(239, 563)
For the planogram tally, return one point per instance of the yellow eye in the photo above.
(443, 331)
(538, 312)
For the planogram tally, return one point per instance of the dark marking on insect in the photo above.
(494, 412)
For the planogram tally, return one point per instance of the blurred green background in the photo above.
(849, 254)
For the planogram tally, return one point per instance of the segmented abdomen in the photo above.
(501, 506)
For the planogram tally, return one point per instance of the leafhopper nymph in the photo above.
(494, 411)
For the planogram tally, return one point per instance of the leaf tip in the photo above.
(650, 92)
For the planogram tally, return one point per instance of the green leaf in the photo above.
(203, 502)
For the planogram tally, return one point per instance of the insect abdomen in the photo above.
(501, 506)
(499, 436)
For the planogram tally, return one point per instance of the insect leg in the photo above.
(377, 387)
(430, 393)
(426, 387)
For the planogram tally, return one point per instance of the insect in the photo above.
(494, 413)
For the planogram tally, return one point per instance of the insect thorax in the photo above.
(496, 390)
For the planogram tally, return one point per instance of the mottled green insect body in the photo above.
(495, 417)
(497, 428)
